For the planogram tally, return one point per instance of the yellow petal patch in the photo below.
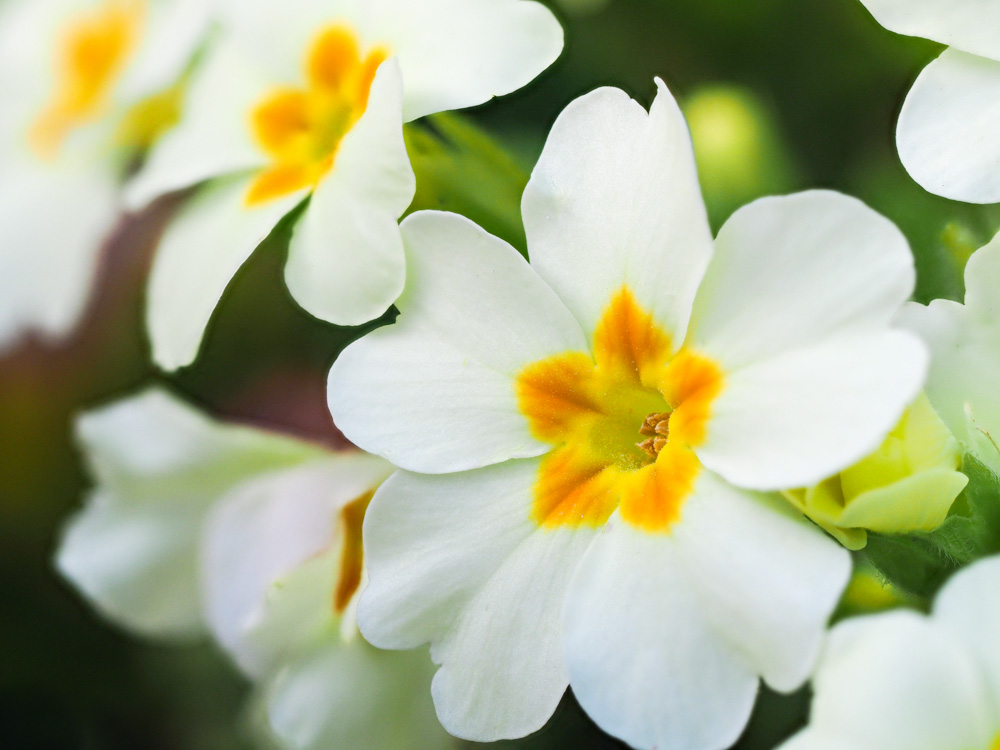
(622, 423)
(352, 556)
(300, 129)
(92, 52)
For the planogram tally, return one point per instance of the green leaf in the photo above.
(460, 168)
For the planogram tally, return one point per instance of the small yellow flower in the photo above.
(908, 484)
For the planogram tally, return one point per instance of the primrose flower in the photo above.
(902, 680)
(965, 345)
(307, 98)
(85, 86)
(584, 437)
(197, 525)
(908, 484)
(949, 128)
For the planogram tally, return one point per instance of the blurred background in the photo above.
(781, 95)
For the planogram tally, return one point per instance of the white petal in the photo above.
(791, 270)
(174, 29)
(435, 392)
(614, 201)
(898, 682)
(948, 133)
(970, 25)
(28, 31)
(266, 528)
(346, 262)
(200, 252)
(136, 561)
(969, 606)
(965, 345)
(213, 138)
(457, 54)
(644, 660)
(456, 560)
(154, 439)
(53, 224)
(767, 580)
(353, 696)
(159, 465)
(453, 53)
(797, 418)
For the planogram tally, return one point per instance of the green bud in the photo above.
(908, 484)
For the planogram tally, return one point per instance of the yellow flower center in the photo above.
(622, 422)
(300, 129)
(352, 555)
(92, 52)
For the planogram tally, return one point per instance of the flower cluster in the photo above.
(639, 461)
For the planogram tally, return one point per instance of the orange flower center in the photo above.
(622, 423)
(92, 52)
(300, 129)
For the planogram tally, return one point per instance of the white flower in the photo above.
(582, 437)
(964, 341)
(197, 525)
(905, 681)
(84, 85)
(949, 128)
(307, 98)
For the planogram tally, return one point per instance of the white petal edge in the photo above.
(799, 417)
(201, 250)
(174, 30)
(969, 607)
(159, 466)
(456, 54)
(213, 137)
(614, 201)
(54, 222)
(353, 696)
(948, 134)
(453, 53)
(263, 530)
(455, 560)
(790, 271)
(346, 263)
(969, 25)
(136, 562)
(644, 661)
(896, 681)
(767, 579)
(435, 392)
(965, 360)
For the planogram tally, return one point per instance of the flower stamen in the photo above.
(657, 426)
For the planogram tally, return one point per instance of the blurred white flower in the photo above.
(949, 128)
(308, 98)
(85, 85)
(964, 341)
(583, 437)
(902, 680)
(197, 525)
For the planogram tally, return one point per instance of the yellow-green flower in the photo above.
(908, 484)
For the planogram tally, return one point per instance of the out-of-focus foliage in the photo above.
(781, 95)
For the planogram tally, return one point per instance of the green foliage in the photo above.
(920, 563)
(449, 154)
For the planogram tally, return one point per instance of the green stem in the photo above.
(461, 168)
